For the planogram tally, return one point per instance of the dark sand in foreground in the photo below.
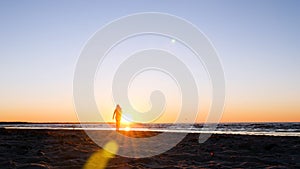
(71, 149)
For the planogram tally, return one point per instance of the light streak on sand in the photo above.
(99, 159)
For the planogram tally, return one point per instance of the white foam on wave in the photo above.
(257, 133)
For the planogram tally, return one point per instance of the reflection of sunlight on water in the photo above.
(99, 159)
(127, 128)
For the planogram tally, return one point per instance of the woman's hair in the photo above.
(118, 107)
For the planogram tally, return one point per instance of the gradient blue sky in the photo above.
(258, 43)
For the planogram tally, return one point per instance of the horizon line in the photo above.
(95, 122)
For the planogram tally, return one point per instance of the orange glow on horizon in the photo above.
(232, 113)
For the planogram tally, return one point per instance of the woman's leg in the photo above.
(117, 125)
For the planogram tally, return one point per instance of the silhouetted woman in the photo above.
(118, 115)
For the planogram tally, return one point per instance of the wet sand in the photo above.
(24, 149)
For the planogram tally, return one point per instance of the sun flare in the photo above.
(126, 120)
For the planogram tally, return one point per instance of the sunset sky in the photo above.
(258, 43)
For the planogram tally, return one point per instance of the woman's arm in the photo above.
(114, 114)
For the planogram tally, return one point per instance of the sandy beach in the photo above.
(71, 149)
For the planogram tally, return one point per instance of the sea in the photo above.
(266, 129)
